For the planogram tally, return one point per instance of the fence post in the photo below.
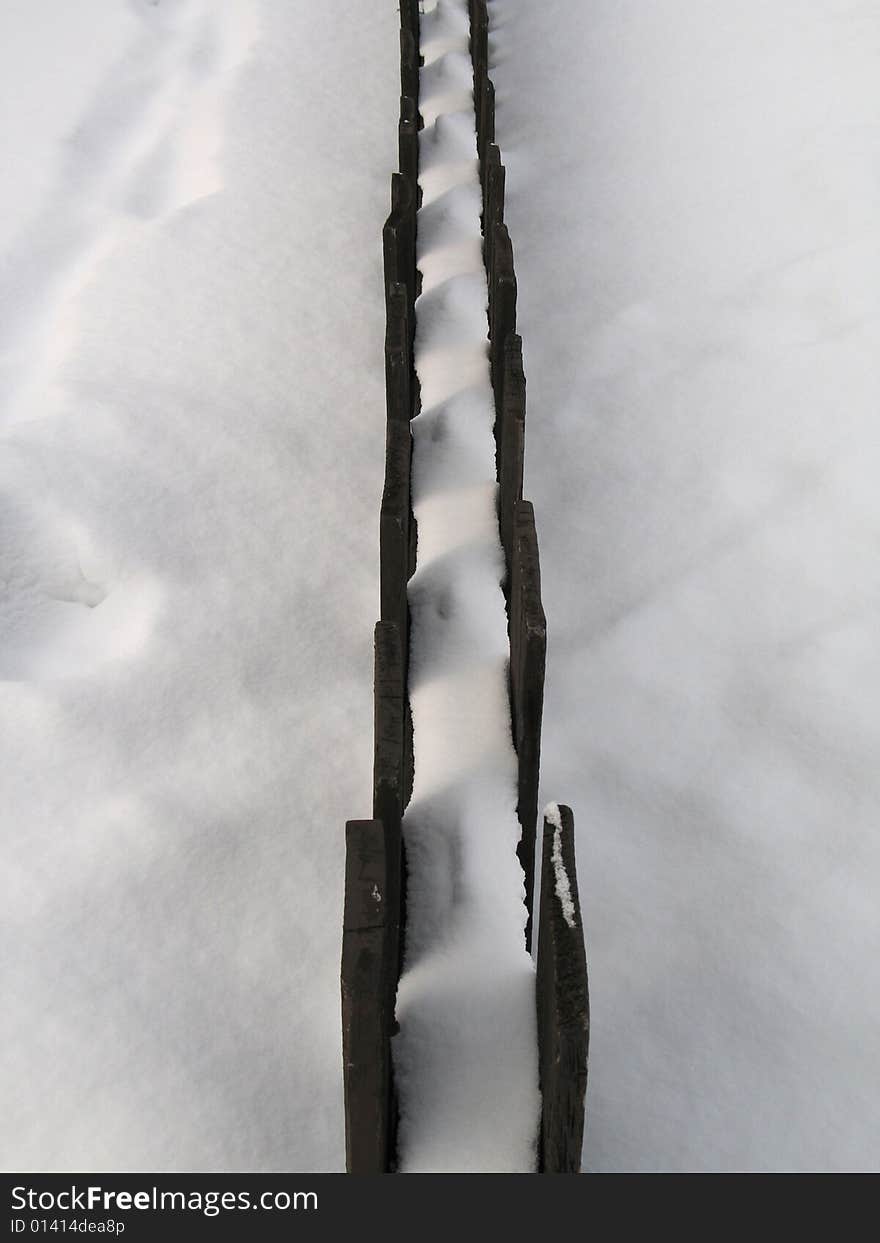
(493, 204)
(528, 651)
(408, 144)
(502, 307)
(389, 770)
(409, 63)
(562, 1001)
(395, 538)
(511, 446)
(368, 985)
(409, 17)
(479, 38)
(399, 238)
(398, 354)
(485, 120)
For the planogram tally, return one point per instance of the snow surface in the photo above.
(466, 1056)
(192, 423)
(190, 475)
(694, 202)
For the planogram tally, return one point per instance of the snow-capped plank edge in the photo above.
(562, 999)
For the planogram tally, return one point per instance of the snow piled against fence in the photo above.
(192, 423)
(466, 1057)
(695, 209)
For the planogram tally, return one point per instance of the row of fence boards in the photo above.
(374, 927)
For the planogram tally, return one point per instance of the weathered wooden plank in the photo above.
(510, 439)
(408, 143)
(409, 17)
(398, 354)
(479, 36)
(399, 240)
(368, 987)
(389, 767)
(395, 539)
(528, 651)
(485, 103)
(409, 64)
(502, 307)
(562, 999)
(493, 203)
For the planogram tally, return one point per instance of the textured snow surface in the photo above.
(190, 474)
(695, 208)
(466, 1055)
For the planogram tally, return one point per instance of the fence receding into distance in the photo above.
(374, 928)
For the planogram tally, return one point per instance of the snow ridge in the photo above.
(561, 881)
(466, 1054)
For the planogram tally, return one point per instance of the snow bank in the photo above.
(693, 196)
(192, 448)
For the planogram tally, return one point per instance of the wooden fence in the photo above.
(562, 1001)
(374, 927)
(375, 874)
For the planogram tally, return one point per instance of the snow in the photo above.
(553, 815)
(694, 206)
(192, 423)
(466, 1054)
(561, 883)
